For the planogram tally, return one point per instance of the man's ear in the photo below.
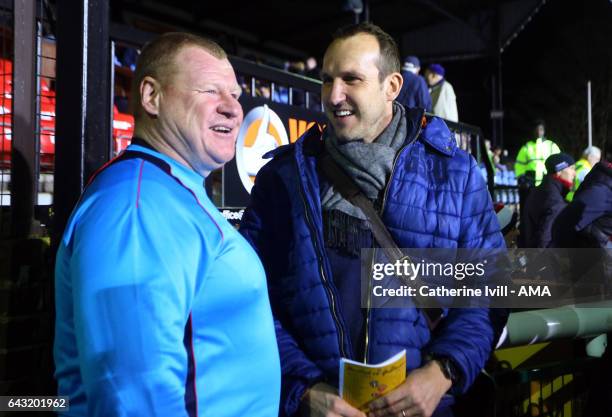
(394, 83)
(150, 93)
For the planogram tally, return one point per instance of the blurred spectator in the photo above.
(500, 156)
(297, 67)
(531, 156)
(262, 90)
(128, 57)
(587, 220)
(442, 93)
(590, 157)
(307, 68)
(245, 84)
(124, 61)
(546, 202)
(414, 92)
(529, 167)
(281, 95)
(311, 69)
(489, 152)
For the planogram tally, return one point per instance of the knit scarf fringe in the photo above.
(346, 233)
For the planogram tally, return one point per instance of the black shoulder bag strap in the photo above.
(352, 193)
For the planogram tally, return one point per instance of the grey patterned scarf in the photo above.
(368, 164)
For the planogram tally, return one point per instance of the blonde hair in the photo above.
(157, 59)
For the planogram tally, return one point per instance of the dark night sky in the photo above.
(545, 70)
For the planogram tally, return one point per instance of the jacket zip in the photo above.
(368, 309)
(324, 279)
(382, 210)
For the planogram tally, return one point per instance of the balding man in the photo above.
(590, 156)
(162, 306)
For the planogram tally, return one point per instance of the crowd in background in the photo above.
(528, 181)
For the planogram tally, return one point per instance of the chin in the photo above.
(349, 136)
(224, 159)
(343, 133)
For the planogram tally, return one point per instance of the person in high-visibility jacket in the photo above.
(531, 156)
(590, 157)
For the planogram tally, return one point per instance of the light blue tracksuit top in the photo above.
(162, 307)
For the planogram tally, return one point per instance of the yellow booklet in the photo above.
(361, 383)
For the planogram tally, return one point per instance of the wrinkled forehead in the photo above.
(196, 64)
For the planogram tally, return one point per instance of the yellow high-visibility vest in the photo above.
(582, 169)
(532, 155)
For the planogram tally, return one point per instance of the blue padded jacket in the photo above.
(436, 198)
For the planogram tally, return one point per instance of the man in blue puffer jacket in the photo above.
(431, 195)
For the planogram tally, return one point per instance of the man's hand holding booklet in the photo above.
(361, 383)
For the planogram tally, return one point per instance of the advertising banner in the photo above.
(266, 126)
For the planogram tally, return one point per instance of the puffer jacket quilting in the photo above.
(433, 188)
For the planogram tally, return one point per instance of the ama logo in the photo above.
(261, 131)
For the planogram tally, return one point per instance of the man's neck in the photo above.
(153, 139)
(387, 121)
(158, 142)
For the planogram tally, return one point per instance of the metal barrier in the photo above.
(559, 389)
(26, 137)
(502, 183)
(45, 100)
(259, 80)
(471, 139)
(569, 322)
(549, 385)
(6, 121)
(27, 131)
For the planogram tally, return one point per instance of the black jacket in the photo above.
(586, 223)
(541, 209)
(587, 220)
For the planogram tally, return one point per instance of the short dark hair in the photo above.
(157, 59)
(538, 122)
(389, 59)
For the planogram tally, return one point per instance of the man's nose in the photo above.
(230, 107)
(337, 93)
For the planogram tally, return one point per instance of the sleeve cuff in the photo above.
(293, 392)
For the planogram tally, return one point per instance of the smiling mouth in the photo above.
(221, 129)
(343, 113)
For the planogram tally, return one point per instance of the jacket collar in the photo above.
(187, 176)
(438, 136)
(556, 183)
